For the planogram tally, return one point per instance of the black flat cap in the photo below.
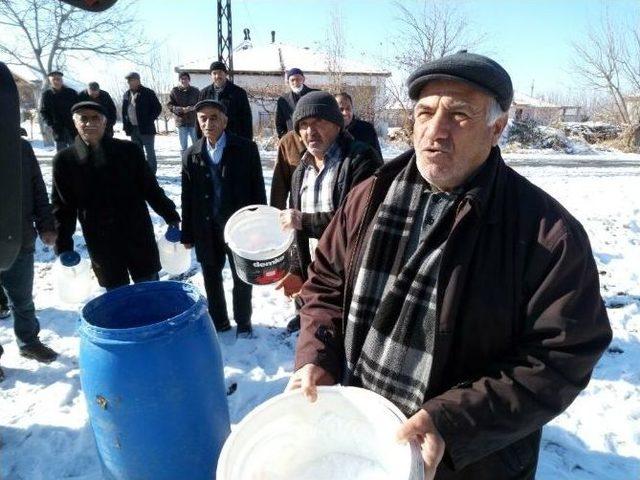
(476, 70)
(209, 102)
(217, 65)
(317, 104)
(135, 75)
(88, 105)
(55, 72)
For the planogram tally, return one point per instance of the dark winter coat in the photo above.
(284, 109)
(148, 109)
(520, 323)
(364, 132)
(55, 109)
(236, 102)
(183, 97)
(359, 161)
(106, 101)
(35, 201)
(242, 185)
(108, 193)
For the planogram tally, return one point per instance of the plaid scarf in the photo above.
(391, 324)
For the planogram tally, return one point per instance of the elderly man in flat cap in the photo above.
(455, 288)
(55, 109)
(106, 184)
(221, 173)
(140, 109)
(332, 164)
(234, 99)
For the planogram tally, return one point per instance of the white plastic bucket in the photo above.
(72, 281)
(258, 244)
(347, 434)
(174, 257)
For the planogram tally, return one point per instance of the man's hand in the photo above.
(420, 427)
(290, 284)
(48, 238)
(308, 378)
(188, 246)
(291, 219)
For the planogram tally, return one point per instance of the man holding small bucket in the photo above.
(221, 173)
(453, 287)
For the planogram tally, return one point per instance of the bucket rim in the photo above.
(174, 323)
(414, 448)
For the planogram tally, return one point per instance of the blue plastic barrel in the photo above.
(152, 375)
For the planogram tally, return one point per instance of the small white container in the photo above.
(347, 434)
(72, 277)
(174, 257)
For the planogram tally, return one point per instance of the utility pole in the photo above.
(225, 45)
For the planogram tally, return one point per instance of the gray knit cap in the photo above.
(320, 105)
(470, 68)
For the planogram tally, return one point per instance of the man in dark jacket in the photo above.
(332, 164)
(234, 99)
(55, 109)
(94, 94)
(287, 103)
(221, 173)
(106, 184)
(140, 109)
(359, 129)
(182, 102)
(18, 279)
(455, 288)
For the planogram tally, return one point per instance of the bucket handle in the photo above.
(253, 208)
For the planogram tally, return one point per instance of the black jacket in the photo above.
(235, 100)
(148, 108)
(106, 101)
(285, 107)
(183, 97)
(35, 201)
(108, 192)
(359, 162)
(364, 132)
(55, 109)
(242, 185)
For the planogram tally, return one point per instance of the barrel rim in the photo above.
(176, 322)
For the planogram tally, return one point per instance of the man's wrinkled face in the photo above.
(56, 81)
(317, 135)
(346, 108)
(212, 123)
(90, 125)
(451, 135)
(184, 81)
(218, 77)
(296, 82)
(134, 84)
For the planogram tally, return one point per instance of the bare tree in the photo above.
(158, 75)
(334, 49)
(43, 34)
(604, 62)
(429, 31)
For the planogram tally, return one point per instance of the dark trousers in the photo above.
(148, 278)
(4, 301)
(18, 283)
(212, 274)
(146, 142)
(63, 141)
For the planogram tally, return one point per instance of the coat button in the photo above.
(206, 196)
(429, 220)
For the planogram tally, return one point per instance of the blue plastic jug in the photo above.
(152, 375)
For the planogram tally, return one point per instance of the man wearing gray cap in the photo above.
(455, 288)
(140, 109)
(105, 183)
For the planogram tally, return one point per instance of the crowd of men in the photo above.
(441, 279)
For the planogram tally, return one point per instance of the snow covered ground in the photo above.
(43, 420)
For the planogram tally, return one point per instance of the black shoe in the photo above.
(1, 374)
(244, 331)
(5, 313)
(38, 351)
(294, 324)
(223, 328)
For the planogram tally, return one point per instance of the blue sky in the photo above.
(531, 38)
